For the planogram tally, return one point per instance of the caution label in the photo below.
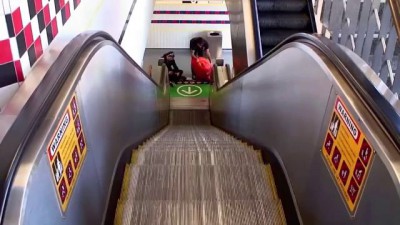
(347, 154)
(66, 153)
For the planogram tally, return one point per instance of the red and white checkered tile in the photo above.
(27, 27)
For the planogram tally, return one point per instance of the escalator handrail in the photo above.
(38, 104)
(381, 108)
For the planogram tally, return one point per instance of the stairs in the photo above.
(278, 19)
(194, 174)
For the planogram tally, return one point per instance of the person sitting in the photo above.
(174, 73)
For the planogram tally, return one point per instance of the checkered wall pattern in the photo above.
(27, 27)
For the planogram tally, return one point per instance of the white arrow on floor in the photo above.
(189, 91)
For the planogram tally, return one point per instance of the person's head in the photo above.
(169, 56)
(201, 42)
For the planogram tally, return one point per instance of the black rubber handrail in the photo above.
(13, 144)
(381, 108)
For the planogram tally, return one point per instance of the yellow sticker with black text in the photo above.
(66, 152)
(347, 154)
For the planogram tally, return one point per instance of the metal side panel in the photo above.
(285, 106)
(119, 106)
(225, 107)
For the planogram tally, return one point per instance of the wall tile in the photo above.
(46, 14)
(1, 8)
(6, 7)
(38, 5)
(38, 47)
(25, 64)
(14, 48)
(21, 43)
(44, 40)
(32, 55)
(3, 27)
(6, 55)
(18, 71)
(14, 4)
(17, 21)
(35, 27)
(27, 27)
(28, 36)
(7, 74)
(25, 12)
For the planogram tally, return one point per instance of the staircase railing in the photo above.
(370, 28)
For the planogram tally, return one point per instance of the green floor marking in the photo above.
(190, 91)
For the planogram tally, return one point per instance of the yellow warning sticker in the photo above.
(66, 152)
(347, 154)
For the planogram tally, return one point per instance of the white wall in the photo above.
(166, 35)
(136, 34)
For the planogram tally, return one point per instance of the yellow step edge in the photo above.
(118, 214)
(135, 156)
(270, 180)
(125, 183)
(281, 213)
(259, 156)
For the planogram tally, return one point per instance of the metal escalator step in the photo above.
(271, 180)
(281, 5)
(283, 21)
(207, 212)
(183, 183)
(173, 157)
(249, 212)
(175, 212)
(273, 37)
(249, 183)
(197, 175)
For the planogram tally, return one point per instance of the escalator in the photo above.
(275, 20)
(256, 156)
(194, 173)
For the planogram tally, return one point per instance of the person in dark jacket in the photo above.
(199, 48)
(174, 73)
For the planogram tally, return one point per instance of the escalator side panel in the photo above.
(285, 106)
(118, 106)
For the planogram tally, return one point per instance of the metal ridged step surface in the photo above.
(196, 174)
(279, 19)
(282, 5)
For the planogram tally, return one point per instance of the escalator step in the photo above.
(281, 5)
(198, 175)
(161, 157)
(210, 213)
(274, 37)
(283, 21)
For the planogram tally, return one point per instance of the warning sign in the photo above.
(347, 154)
(66, 153)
